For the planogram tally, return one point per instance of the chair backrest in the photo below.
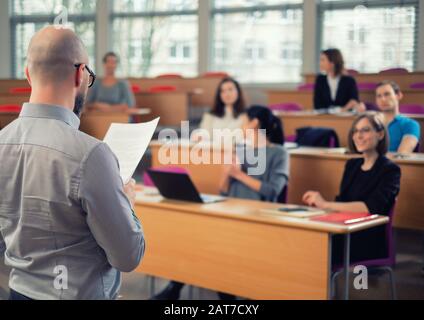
(147, 181)
(371, 106)
(367, 86)
(412, 108)
(170, 76)
(20, 90)
(135, 88)
(306, 87)
(158, 89)
(289, 106)
(394, 71)
(417, 85)
(352, 72)
(215, 74)
(317, 137)
(283, 197)
(10, 108)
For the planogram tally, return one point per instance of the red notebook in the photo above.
(345, 217)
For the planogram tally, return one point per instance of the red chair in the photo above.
(417, 85)
(135, 88)
(306, 87)
(20, 90)
(10, 108)
(169, 76)
(159, 89)
(394, 71)
(147, 181)
(289, 107)
(215, 74)
(412, 109)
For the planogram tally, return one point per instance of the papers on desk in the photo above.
(129, 142)
(295, 211)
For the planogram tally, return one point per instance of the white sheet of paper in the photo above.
(129, 142)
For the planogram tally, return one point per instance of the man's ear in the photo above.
(400, 96)
(79, 76)
(27, 76)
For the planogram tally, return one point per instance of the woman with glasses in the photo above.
(110, 94)
(370, 184)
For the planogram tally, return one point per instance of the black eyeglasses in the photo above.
(92, 74)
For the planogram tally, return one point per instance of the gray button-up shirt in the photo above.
(67, 225)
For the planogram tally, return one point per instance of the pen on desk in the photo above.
(351, 221)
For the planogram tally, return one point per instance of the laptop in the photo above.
(179, 186)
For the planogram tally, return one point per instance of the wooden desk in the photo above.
(340, 123)
(305, 98)
(316, 169)
(171, 107)
(403, 80)
(231, 247)
(96, 124)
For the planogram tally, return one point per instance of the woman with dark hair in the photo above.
(334, 88)
(370, 184)
(229, 105)
(263, 132)
(110, 94)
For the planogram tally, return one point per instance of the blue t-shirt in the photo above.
(400, 127)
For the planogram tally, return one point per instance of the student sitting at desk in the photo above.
(370, 184)
(404, 133)
(228, 107)
(110, 94)
(334, 88)
(238, 184)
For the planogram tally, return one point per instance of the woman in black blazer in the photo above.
(334, 88)
(370, 184)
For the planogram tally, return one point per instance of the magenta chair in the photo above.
(371, 106)
(417, 85)
(394, 71)
(367, 86)
(385, 264)
(412, 109)
(289, 106)
(352, 72)
(306, 87)
(147, 181)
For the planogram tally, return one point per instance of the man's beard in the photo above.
(79, 104)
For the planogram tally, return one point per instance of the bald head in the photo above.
(52, 53)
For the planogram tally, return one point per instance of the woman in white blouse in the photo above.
(228, 107)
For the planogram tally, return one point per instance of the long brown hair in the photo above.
(219, 106)
(335, 56)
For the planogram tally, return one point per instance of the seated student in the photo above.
(238, 184)
(228, 107)
(370, 184)
(404, 133)
(110, 94)
(334, 88)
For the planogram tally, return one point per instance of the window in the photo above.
(291, 53)
(373, 35)
(29, 16)
(142, 30)
(253, 32)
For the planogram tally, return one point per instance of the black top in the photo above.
(346, 91)
(378, 189)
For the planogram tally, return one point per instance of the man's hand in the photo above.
(129, 190)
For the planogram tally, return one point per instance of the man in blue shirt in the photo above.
(404, 133)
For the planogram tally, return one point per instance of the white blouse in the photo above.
(210, 122)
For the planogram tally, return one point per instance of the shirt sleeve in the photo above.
(110, 216)
(277, 176)
(317, 100)
(382, 199)
(354, 93)
(128, 97)
(412, 128)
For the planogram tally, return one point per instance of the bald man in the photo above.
(66, 219)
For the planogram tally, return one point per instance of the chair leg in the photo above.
(333, 288)
(152, 286)
(392, 281)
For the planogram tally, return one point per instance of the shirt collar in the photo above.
(32, 110)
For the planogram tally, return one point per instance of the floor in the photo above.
(409, 277)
